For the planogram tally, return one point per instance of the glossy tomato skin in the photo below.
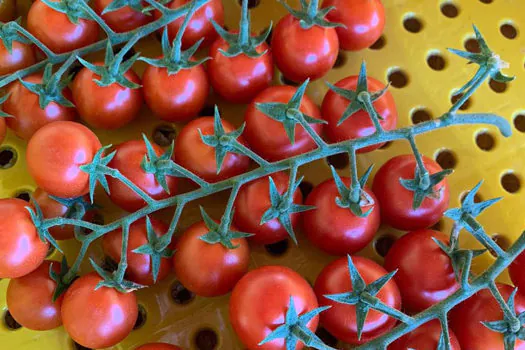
(396, 201)
(259, 302)
(54, 156)
(21, 249)
(7, 10)
(127, 160)
(123, 19)
(21, 56)
(359, 124)
(267, 137)
(517, 272)
(239, 79)
(465, 320)
(139, 265)
(57, 32)
(194, 155)
(177, 97)
(30, 299)
(421, 284)
(253, 200)
(23, 105)
(364, 21)
(200, 23)
(97, 318)
(209, 270)
(159, 346)
(337, 230)
(109, 107)
(303, 53)
(424, 337)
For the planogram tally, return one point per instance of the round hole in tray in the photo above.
(109, 265)
(207, 111)
(466, 105)
(519, 122)
(164, 134)
(412, 24)
(10, 322)
(508, 30)
(8, 157)
(327, 337)
(502, 241)
(279, 248)
(24, 195)
(436, 61)
(485, 141)
(446, 159)
(486, 1)
(251, 3)
(477, 197)
(449, 9)
(383, 244)
(498, 87)
(511, 182)
(397, 78)
(472, 45)
(180, 295)
(379, 44)
(287, 81)
(142, 317)
(206, 339)
(341, 60)
(420, 115)
(77, 346)
(306, 187)
(338, 161)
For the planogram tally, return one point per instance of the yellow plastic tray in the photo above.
(415, 30)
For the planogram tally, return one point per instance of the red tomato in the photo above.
(268, 137)
(424, 337)
(425, 275)
(123, 19)
(56, 31)
(21, 56)
(301, 54)
(158, 346)
(21, 249)
(109, 107)
(239, 79)
(259, 302)
(30, 299)
(209, 270)
(23, 105)
(54, 156)
(200, 26)
(396, 201)
(97, 318)
(337, 230)
(7, 10)
(466, 318)
(194, 155)
(3, 129)
(517, 272)
(364, 22)
(359, 124)
(127, 160)
(253, 200)
(176, 97)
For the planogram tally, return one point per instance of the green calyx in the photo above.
(159, 166)
(73, 9)
(354, 197)
(295, 329)
(136, 5)
(310, 15)
(221, 233)
(97, 170)
(242, 42)
(113, 280)
(423, 185)
(9, 33)
(39, 221)
(59, 278)
(2, 113)
(76, 209)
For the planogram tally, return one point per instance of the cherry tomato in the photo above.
(396, 201)
(340, 319)
(466, 318)
(200, 26)
(267, 137)
(194, 155)
(123, 19)
(54, 156)
(7, 10)
(259, 302)
(56, 31)
(337, 230)
(158, 346)
(517, 271)
(253, 200)
(21, 249)
(364, 21)
(21, 56)
(139, 265)
(109, 107)
(176, 97)
(3, 129)
(97, 318)
(127, 160)
(359, 124)
(424, 337)
(23, 105)
(425, 275)
(30, 299)
(303, 53)
(209, 269)
(239, 79)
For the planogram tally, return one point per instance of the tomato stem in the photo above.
(50, 54)
(313, 6)
(123, 264)
(423, 176)
(97, 19)
(244, 26)
(177, 43)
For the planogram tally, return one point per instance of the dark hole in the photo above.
(206, 339)
(501, 241)
(98, 219)
(486, 1)
(386, 145)
(379, 44)
(338, 161)
(485, 141)
(164, 134)
(509, 31)
(77, 346)
(207, 111)
(383, 244)
(287, 81)
(398, 78)
(142, 316)
(10, 322)
(24, 195)
(327, 337)
(446, 159)
(251, 3)
(180, 294)
(519, 122)
(412, 24)
(420, 116)
(8, 157)
(436, 61)
(465, 105)
(306, 187)
(498, 87)
(472, 45)
(510, 182)
(340, 61)
(75, 68)
(109, 265)
(50, 251)
(477, 197)
(277, 249)
(226, 28)
(438, 226)
(449, 10)
(269, 38)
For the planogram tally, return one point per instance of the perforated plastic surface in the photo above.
(422, 87)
